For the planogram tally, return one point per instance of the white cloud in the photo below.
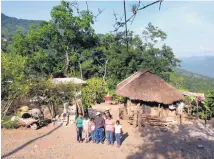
(189, 33)
(202, 48)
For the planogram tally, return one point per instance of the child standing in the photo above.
(92, 130)
(79, 122)
(85, 125)
(118, 132)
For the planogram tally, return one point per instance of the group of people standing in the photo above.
(99, 129)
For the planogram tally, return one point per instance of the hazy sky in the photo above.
(189, 25)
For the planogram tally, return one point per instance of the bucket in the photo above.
(108, 98)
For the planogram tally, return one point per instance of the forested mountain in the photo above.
(203, 65)
(194, 82)
(11, 24)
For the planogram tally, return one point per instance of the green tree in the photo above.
(94, 92)
(141, 55)
(14, 82)
(57, 47)
(75, 33)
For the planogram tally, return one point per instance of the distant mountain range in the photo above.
(203, 65)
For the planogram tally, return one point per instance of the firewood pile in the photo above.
(154, 121)
(149, 120)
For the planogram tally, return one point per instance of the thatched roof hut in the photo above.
(145, 86)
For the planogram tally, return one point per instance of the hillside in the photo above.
(11, 24)
(203, 65)
(195, 82)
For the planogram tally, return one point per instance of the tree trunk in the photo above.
(79, 106)
(66, 62)
(7, 107)
(80, 70)
(104, 76)
(140, 121)
(135, 122)
(51, 109)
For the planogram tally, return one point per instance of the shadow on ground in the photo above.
(124, 136)
(186, 142)
(29, 142)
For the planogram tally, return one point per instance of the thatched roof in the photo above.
(145, 86)
(73, 80)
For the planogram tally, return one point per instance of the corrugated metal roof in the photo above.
(73, 80)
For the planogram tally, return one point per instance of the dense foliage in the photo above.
(209, 104)
(67, 45)
(53, 94)
(15, 85)
(203, 109)
(94, 92)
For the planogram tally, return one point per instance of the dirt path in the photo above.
(60, 142)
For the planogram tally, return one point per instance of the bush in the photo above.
(210, 101)
(8, 124)
(94, 92)
(208, 106)
(115, 97)
(205, 108)
(55, 94)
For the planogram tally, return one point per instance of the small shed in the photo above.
(149, 93)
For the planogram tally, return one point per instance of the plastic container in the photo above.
(108, 98)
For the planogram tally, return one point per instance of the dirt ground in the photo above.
(187, 141)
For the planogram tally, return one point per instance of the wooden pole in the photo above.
(197, 108)
(140, 112)
(159, 110)
(206, 118)
(135, 122)
(126, 31)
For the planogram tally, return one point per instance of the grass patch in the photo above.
(8, 124)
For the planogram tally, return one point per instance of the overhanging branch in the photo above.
(135, 10)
